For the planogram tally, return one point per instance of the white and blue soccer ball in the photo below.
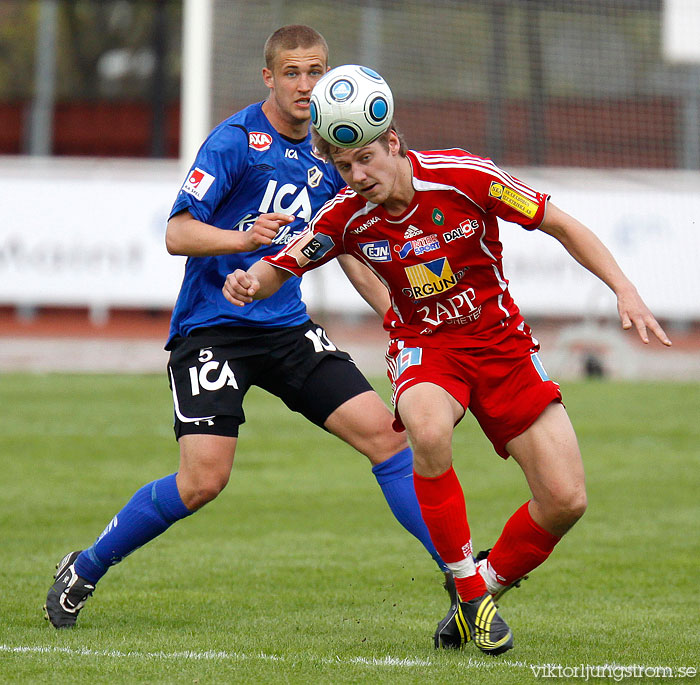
(351, 106)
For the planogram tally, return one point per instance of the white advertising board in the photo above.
(91, 233)
(654, 241)
(87, 234)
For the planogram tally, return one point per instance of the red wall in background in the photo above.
(632, 133)
(101, 129)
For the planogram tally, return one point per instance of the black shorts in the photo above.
(211, 370)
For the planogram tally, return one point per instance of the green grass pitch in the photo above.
(298, 573)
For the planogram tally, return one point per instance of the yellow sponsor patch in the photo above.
(430, 278)
(513, 199)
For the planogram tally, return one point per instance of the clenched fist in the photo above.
(240, 286)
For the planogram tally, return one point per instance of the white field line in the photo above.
(390, 661)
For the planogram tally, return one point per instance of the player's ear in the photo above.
(394, 142)
(268, 79)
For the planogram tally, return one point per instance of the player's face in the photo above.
(375, 172)
(291, 80)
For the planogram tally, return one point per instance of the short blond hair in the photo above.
(291, 37)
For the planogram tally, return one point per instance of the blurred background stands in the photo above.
(102, 105)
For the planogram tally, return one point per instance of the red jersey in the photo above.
(441, 259)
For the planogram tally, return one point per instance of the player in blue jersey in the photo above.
(254, 184)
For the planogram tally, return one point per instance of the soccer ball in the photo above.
(351, 106)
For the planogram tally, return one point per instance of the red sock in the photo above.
(445, 514)
(523, 545)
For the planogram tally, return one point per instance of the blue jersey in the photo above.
(243, 169)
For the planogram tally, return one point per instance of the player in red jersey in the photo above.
(426, 224)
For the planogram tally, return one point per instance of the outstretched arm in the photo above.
(187, 236)
(587, 249)
(260, 281)
(366, 283)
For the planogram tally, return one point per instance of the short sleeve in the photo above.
(219, 164)
(498, 192)
(309, 250)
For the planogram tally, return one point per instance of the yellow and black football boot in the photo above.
(477, 620)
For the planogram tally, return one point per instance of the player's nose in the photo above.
(304, 83)
(358, 173)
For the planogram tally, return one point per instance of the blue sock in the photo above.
(150, 512)
(395, 478)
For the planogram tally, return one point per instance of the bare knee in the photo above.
(430, 438)
(432, 449)
(196, 489)
(384, 445)
(572, 508)
(562, 510)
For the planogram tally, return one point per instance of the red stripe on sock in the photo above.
(523, 545)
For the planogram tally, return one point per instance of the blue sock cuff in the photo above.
(89, 566)
(166, 499)
(398, 466)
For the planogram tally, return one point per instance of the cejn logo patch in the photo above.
(198, 182)
(376, 251)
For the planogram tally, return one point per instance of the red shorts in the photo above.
(505, 386)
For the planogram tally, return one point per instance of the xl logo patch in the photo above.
(198, 182)
(409, 356)
(377, 251)
(259, 141)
